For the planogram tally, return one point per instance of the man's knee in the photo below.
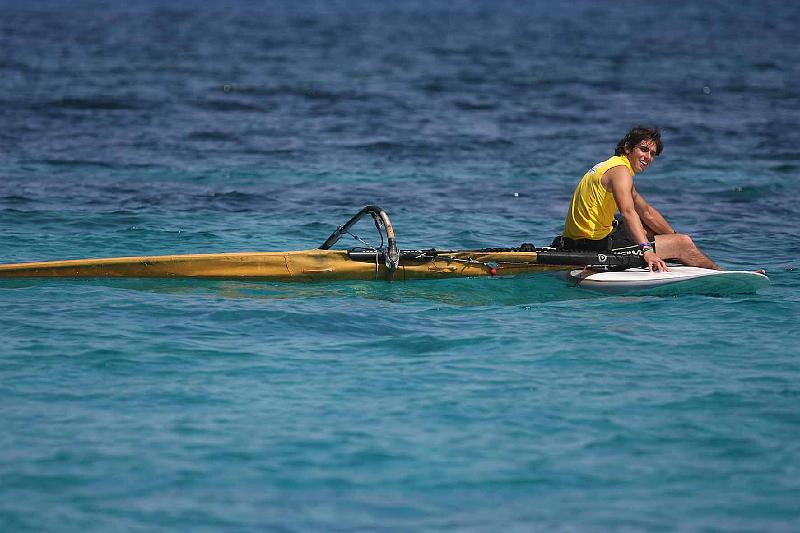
(674, 246)
(684, 241)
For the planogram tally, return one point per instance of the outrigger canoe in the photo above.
(384, 262)
(604, 272)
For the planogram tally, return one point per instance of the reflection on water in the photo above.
(460, 292)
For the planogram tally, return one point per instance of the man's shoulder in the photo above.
(616, 175)
(618, 171)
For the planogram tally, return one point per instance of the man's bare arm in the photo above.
(620, 182)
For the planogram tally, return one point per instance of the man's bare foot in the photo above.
(761, 271)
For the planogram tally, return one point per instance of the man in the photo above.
(607, 188)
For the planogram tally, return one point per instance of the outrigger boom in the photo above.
(384, 262)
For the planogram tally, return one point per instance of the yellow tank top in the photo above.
(591, 212)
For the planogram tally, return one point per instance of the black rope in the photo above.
(378, 226)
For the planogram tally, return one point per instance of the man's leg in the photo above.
(682, 248)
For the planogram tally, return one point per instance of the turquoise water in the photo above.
(491, 404)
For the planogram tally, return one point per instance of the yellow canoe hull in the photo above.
(302, 265)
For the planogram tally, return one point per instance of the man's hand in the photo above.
(654, 262)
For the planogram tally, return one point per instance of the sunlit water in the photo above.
(510, 404)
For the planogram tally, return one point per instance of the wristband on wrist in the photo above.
(646, 247)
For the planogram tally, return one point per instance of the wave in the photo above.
(92, 104)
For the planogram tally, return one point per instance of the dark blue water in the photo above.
(489, 404)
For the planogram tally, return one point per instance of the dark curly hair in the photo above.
(637, 135)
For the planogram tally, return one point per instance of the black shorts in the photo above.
(618, 241)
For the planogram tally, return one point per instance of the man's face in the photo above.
(641, 155)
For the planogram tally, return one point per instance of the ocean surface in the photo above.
(505, 404)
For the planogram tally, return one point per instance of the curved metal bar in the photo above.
(392, 256)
